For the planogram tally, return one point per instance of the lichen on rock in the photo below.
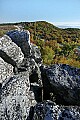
(63, 81)
(11, 49)
(16, 98)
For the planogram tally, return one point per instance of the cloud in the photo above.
(67, 23)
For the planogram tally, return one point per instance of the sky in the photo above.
(58, 12)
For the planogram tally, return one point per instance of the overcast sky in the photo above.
(55, 11)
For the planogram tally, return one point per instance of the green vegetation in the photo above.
(56, 45)
(5, 27)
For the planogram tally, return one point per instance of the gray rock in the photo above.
(34, 67)
(36, 54)
(31, 52)
(18, 91)
(10, 52)
(22, 39)
(48, 110)
(16, 98)
(66, 115)
(7, 58)
(34, 77)
(64, 82)
(6, 70)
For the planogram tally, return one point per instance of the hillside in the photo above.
(56, 45)
(45, 30)
(48, 31)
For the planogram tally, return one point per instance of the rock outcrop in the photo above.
(10, 56)
(18, 87)
(32, 55)
(64, 82)
(25, 83)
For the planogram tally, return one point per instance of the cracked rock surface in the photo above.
(63, 81)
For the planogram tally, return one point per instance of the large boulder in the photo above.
(64, 82)
(10, 52)
(22, 39)
(16, 98)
